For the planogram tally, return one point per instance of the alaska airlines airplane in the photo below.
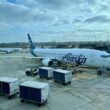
(86, 57)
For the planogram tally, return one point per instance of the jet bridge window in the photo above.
(105, 56)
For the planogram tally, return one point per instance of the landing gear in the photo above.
(101, 71)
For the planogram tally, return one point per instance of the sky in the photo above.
(54, 20)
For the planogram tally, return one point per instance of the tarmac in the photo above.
(88, 91)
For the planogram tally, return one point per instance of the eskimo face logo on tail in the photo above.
(74, 58)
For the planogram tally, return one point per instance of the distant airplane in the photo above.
(9, 50)
(86, 57)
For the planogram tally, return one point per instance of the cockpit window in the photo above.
(105, 56)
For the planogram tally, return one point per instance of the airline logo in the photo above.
(74, 58)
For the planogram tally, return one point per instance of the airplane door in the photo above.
(93, 58)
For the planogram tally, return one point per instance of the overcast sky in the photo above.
(54, 20)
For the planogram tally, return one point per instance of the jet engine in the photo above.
(47, 62)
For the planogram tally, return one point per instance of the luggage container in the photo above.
(46, 72)
(62, 76)
(9, 86)
(34, 91)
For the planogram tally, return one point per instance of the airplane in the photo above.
(84, 57)
(6, 50)
(10, 50)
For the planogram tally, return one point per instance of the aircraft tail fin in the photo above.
(30, 42)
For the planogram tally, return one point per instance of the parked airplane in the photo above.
(10, 50)
(86, 57)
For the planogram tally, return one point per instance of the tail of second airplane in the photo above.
(30, 42)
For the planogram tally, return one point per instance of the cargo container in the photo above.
(46, 72)
(34, 91)
(62, 76)
(9, 86)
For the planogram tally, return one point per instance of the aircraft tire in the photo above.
(99, 72)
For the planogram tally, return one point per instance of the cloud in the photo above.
(54, 16)
(13, 13)
(3, 0)
(45, 4)
(98, 19)
(104, 7)
(53, 4)
(91, 2)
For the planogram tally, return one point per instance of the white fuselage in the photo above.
(87, 57)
